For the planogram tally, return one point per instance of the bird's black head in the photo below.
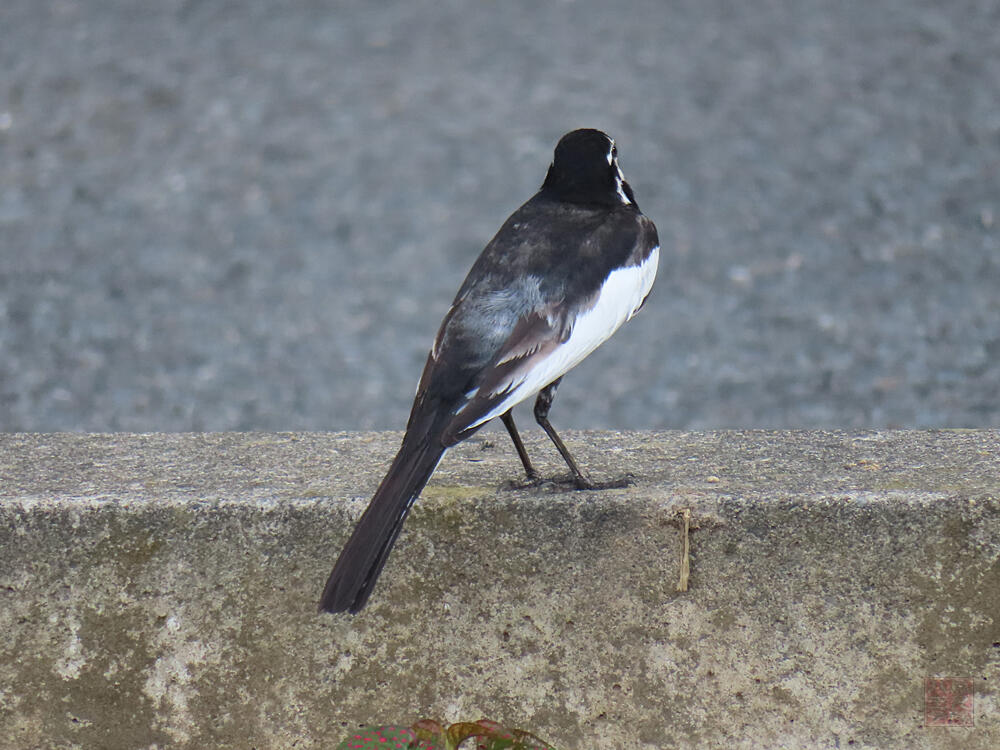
(585, 170)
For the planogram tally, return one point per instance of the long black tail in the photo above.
(360, 562)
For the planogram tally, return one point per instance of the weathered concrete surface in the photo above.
(160, 590)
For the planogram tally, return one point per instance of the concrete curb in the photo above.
(160, 590)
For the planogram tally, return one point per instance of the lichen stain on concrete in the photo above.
(99, 692)
(73, 660)
(170, 678)
(442, 506)
(959, 592)
(127, 547)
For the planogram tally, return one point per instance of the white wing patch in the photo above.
(620, 298)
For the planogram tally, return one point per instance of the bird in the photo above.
(562, 274)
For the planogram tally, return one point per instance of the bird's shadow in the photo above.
(568, 483)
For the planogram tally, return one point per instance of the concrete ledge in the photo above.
(160, 591)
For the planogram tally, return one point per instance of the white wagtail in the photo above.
(562, 274)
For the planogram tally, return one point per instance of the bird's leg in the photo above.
(508, 421)
(542, 405)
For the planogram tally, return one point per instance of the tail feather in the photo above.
(360, 562)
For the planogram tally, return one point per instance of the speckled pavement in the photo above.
(253, 215)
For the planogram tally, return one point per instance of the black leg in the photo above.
(542, 405)
(508, 421)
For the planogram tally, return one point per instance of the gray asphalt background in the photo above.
(253, 215)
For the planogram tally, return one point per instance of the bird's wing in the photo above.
(546, 343)
(527, 356)
(543, 295)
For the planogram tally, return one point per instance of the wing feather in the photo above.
(551, 286)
